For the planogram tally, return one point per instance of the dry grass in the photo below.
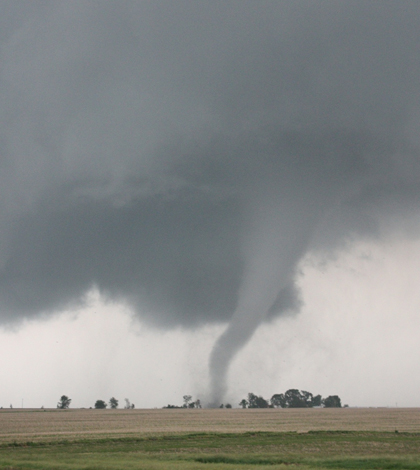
(33, 425)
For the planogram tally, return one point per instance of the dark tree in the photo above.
(255, 401)
(307, 398)
(243, 403)
(317, 400)
(296, 399)
(100, 405)
(187, 399)
(64, 402)
(262, 403)
(113, 403)
(278, 400)
(228, 405)
(252, 398)
(333, 401)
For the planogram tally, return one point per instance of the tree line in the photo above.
(65, 401)
(188, 403)
(293, 398)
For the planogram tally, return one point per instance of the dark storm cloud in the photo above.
(184, 156)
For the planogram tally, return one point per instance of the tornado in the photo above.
(272, 250)
(277, 236)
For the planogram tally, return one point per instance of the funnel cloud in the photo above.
(183, 157)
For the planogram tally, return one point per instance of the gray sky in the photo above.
(184, 160)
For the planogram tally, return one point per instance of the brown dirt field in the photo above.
(35, 425)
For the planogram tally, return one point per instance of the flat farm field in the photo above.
(51, 424)
(348, 438)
